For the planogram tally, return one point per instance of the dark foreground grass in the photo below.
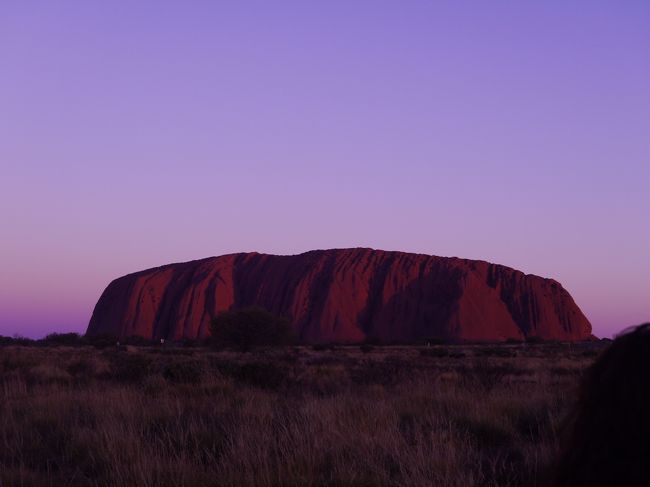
(456, 416)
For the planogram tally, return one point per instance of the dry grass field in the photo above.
(394, 416)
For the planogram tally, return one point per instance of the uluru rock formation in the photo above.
(345, 295)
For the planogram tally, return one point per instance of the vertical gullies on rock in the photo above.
(344, 295)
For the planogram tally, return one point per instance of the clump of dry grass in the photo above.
(300, 416)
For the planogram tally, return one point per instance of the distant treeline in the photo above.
(108, 340)
(99, 341)
(60, 339)
(242, 329)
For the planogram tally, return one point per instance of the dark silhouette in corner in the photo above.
(608, 434)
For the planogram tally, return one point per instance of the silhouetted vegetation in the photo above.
(606, 439)
(137, 340)
(70, 339)
(16, 340)
(101, 340)
(247, 328)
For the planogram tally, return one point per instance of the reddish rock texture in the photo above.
(345, 295)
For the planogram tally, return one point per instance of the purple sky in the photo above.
(137, 135)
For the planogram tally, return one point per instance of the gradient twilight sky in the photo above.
(134, 134)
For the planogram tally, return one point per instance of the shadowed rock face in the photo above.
(345, 295)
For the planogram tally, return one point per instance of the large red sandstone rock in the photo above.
(344, 296)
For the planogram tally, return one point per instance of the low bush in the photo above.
(70, 339)
(16, 341)
(137, 341)
(496, 351)
(101, 341)
(247, 328)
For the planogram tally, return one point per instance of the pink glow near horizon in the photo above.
(134, 136)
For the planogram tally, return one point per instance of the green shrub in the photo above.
(62, 339)
(101, 340)
(250, 327)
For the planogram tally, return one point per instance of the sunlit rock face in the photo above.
(344, 295)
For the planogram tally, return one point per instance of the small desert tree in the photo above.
(250, 327)
(62, 339)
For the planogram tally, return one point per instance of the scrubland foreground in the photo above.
(402, 416)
